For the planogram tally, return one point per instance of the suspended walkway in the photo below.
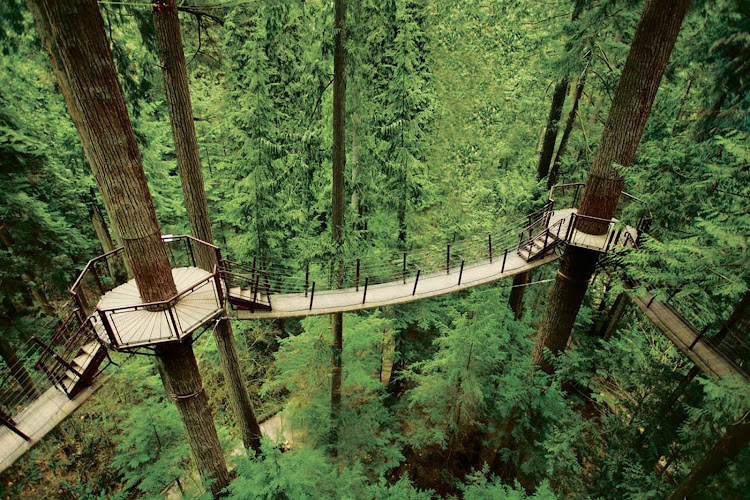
(59, 370)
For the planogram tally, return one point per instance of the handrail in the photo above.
(164, 238)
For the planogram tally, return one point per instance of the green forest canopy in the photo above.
(447, 105)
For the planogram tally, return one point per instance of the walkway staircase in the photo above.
(72, 358)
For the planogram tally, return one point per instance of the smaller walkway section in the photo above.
(683, 335)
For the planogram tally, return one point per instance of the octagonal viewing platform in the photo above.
(106, 294)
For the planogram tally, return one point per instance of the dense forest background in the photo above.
(447, 106)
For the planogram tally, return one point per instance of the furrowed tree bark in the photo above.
(339, 163)
(649, 54)
(572, 280)
(174, 70)
(736, 437)
(517, 292)
(72, 32)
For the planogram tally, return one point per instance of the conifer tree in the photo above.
(337, 208)
(649, 54)
(74, 36)
(172, 57)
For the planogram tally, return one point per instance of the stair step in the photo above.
(83, 360)
(91, 347)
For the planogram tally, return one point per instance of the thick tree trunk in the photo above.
(652, 44)
(239, 398)
(615, 314)
(182, 380)
(39, 294)
(339, 163)
(174, 71)
(517, 292)
(649, 54)
(73, 34)
(736, 437)
(172, 59)
(550, 132)
(572, 280)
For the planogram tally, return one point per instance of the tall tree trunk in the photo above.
(736, 437)
(239, 397)
(182, 380)
(339, 163)
(550, 132)
(172, 59)
(517, 292)
(649, 53)
(566, 132)
(73, 33)
(39, 294)
(555, 112)
(615, 314)
(572, 280)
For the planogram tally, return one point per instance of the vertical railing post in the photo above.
(312, 295)
(698, 337)
(403, 272)
(96, 278)
(356, 280)
(575, 196)
(489, 243)
(107, 327)
(546, 238)
(255, 292)
(307, 281)
(419, 271)
(461, 272)
(189, 244)
(364, 295)
(505, 257)
(448, 260)
(609, 242)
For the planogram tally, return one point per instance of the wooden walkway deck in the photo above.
(39, 418)
(143, 327)
(394, 292)
(682, 334)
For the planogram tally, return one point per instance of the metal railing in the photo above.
(630, 209)
(108, 271)
(170, 326)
